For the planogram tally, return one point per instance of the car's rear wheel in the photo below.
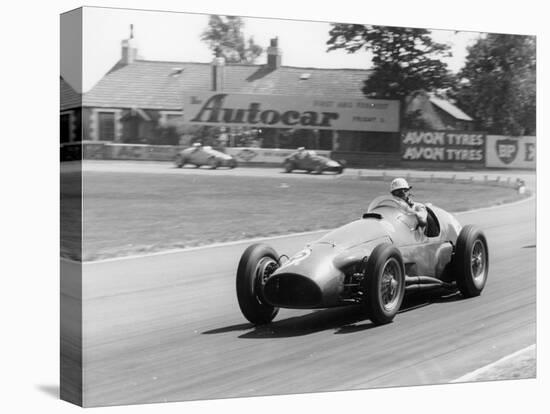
(257, 263)
(288, 166)
(384, 283)
(471, 261)
(232, 164)
(340, 170)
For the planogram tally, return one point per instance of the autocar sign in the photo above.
(278, 111)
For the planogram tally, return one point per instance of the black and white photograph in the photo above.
(260, 206)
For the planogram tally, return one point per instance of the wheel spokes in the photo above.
(477, 260)
(389, 285)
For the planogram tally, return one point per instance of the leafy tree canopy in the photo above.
(498, 84)
(404, 59)
(225, 38)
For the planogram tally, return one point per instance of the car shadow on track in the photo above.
(421, 299)
(316, 321)
(343, 320)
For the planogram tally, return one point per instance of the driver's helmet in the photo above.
(197, 145)
(399, 184)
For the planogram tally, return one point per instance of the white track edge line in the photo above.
(471, 375)
(259, 239)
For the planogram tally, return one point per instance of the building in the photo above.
(70, 113)
(429, 111)
(141, 101)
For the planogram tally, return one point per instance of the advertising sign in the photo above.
(443, 146)
(264, 155)
(511, 152)
(302, 112)
(141, 152)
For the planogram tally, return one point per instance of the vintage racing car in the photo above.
(372, 262)
(311, 161)
(199, 155)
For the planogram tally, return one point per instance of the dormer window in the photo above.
(176, 72)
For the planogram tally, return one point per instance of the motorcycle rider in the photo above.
(400, 189)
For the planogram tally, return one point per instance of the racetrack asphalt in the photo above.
(168, 327)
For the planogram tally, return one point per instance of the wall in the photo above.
(483, 152)
(97, 150)
(112, 151)
(368, 159)
(264, 156)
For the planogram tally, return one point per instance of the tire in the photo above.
(179, 161)
(471, 261)
(319, 169)
(384, 275)
(232, 164)
(340, 171)
(254, 263)
(213, 163)
(288, 166)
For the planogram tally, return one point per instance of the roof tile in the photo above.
(69, 98)
(451, 109)
(162, 85)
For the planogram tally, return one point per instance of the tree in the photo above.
(498, 84)
(404, 59)
(225, 38)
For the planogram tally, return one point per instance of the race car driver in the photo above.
(400, 189)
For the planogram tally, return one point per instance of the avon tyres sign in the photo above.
(511, 152)
(443, 146)
(301, 112)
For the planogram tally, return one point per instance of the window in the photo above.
(173, 117)
(65, 128)
(106, 121)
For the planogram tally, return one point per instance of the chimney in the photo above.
(218, 71)
(129, 48)
(274, 54)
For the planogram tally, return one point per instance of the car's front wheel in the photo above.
(257, 263)
(384, 283)
(213, 163)
(288, 166)
(471, 261)
(179, 161)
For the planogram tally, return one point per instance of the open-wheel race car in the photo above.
(199, 155)
(310, 161)
(372, 262)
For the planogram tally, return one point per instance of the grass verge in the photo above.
(140, 213)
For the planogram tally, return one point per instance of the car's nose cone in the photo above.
(308, 280)
(292, 290)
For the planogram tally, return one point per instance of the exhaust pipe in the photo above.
(413, 283)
